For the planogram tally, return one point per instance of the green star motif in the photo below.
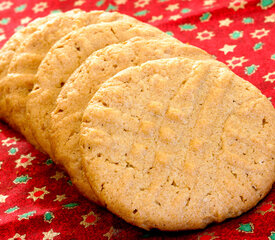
(48, 217)
(13, 151)
(162, 0)
(265, 4)
(236, 35)
(205, 17)
(49, 162)
(26, 215)
(20, 8)
(18, 28)
(111, 8)
(71, 205)
(272, 236)
(11, 210)
(248, 20)
(186, 10)
(258, 46)
(22, 179)
(4, 21)
(187, 27)
(70, 182)
(247, 228)
(273, 56)
(56, 11)
(170, 33)
(141, 13)
(251, 69)
(100, 3)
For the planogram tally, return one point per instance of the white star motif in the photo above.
(58, 175)
(270, 18)
(175, 17)
(5, 5)
(118, 2)
(3, 198)
(59, 198)
(18, 236)
(38, 193)
(205, 35)
(237, 4)
(270, 77)
(141, 3)
(236, 62)
(225, 22)
(40, 7)
(227, 48)
(25, 20)
(156, 18)
(1, 164)
(50, 235)
(24, 161)
(172, 7)
(2, 37)
(79, 2)
(260, 33)
(208, 2)
(10, 141)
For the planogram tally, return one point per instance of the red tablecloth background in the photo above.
(37, 200)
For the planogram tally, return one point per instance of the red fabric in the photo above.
(31, 185)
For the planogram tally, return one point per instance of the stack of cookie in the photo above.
(153, 129)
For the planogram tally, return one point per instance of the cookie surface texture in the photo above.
(82, 85)
(65, 57)
(176, 144)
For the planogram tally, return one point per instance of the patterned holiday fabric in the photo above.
(37, 199)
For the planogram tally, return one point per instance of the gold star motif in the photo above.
(205, 35)
(141, 3)
(40, 7)
(1, 164)
(237, 4)
(3, 198)
(118, 2)
(58, 175)
(175, 17)
(2, 37)
(208, 2)
(59, 198)
(18, 236)
(260, 33)
(10, 141)
(236, 62)
(270, 77)
(225, 22)
(24, 161)
(270, 18)
(79, 2)
(227, 48)
(50, 235)
(38, 193)
(172, 7)
(89, 219)
(112, 231)
(156, 18)
(25, 20)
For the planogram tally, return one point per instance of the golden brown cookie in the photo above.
(85, 81)
(176, 144)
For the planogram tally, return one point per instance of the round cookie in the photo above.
(64, 58)
(85, 81)
(15, 87)
(176, 144)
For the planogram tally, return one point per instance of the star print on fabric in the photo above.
(225, 22)
(141, 3)
(5, 5)
(40, 7)
(208, 2)
(1, 164)
(58, 175)
(118, 2)
(17, 236)
(270, 18)
(38, 193)
(3, 198)
(205, 35)
(26, 215)
(237, 4)
(10, 141)
(271, 236)
(236, 62)
(246, 228)
(172, 7)
(175, 17)
(260, 33)
(270, 77)
(265, 208)
(60, 198)
(207, 236)
(156, 18)
(112, 232)
(227, 48)
(79, 2)
(2, 37)
(89, 219)
(50, 235)
(25, 20)
(24, 161)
